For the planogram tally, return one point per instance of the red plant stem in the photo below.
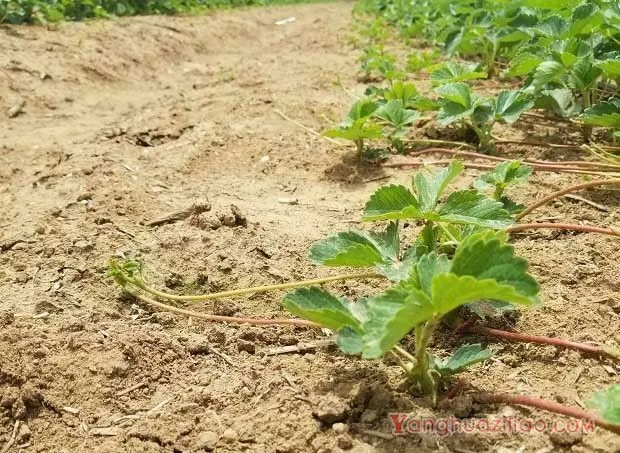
(548, 145)
(559, 193)
(546, 405)
(536, 167)
(218, 318)
(475, 155)
(534, 143)
(562, 226)
(557, 342)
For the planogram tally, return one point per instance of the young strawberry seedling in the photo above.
(460, 104)
(458, 259)
(395, 118)
(356, 126)
(506, 174)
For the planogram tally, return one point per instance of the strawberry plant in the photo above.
(505, 174)
(430, 286)
(460, 104)
(356, 126)
(431, 278)
(376, 63)
(605, 114)
(451, 72)
(396, 119)
(419, 61)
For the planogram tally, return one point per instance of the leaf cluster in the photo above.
(460, 258)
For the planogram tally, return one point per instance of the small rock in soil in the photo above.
(565, 439)
(84, 246)
(365, 448)
(217, 336)
(332, 410)
(462, 406)
(24, 434)
(340, 428)
(288, 340)
(344, 441)
(247, 346)
(227, 218)
(164, 319)
(368, 416)
(6, 318)
(207, 440)
(224, 308)
(230, 435)
(22, 277)
(173, 280)
(16, 109)
(198, 346)
(206, 221)
(117, 368)
(240, 218)
(46, 306)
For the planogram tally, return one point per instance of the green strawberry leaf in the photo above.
(362, 109)
(550, 4)
(424, 104)
(451, 112)
(391, 316)
(509, 105)
(463, 358)
(583, 74)
(358, 248)
(586, 18)
(474, 208)
(504, 174)
(394, 114)
(458, 93)
(350, 341)
(402, 91)
(397, 271)
(391, 202)
(547, 72)
(430, 184)
(523, 64)
(317, 305)
(451, 72)
(607, 404)
(355, 131)
(610, 67)
(560, 100)
(486, 256)
(450, 291)
(604, 114)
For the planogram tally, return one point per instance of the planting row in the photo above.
(44, 11)
(564, 56)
